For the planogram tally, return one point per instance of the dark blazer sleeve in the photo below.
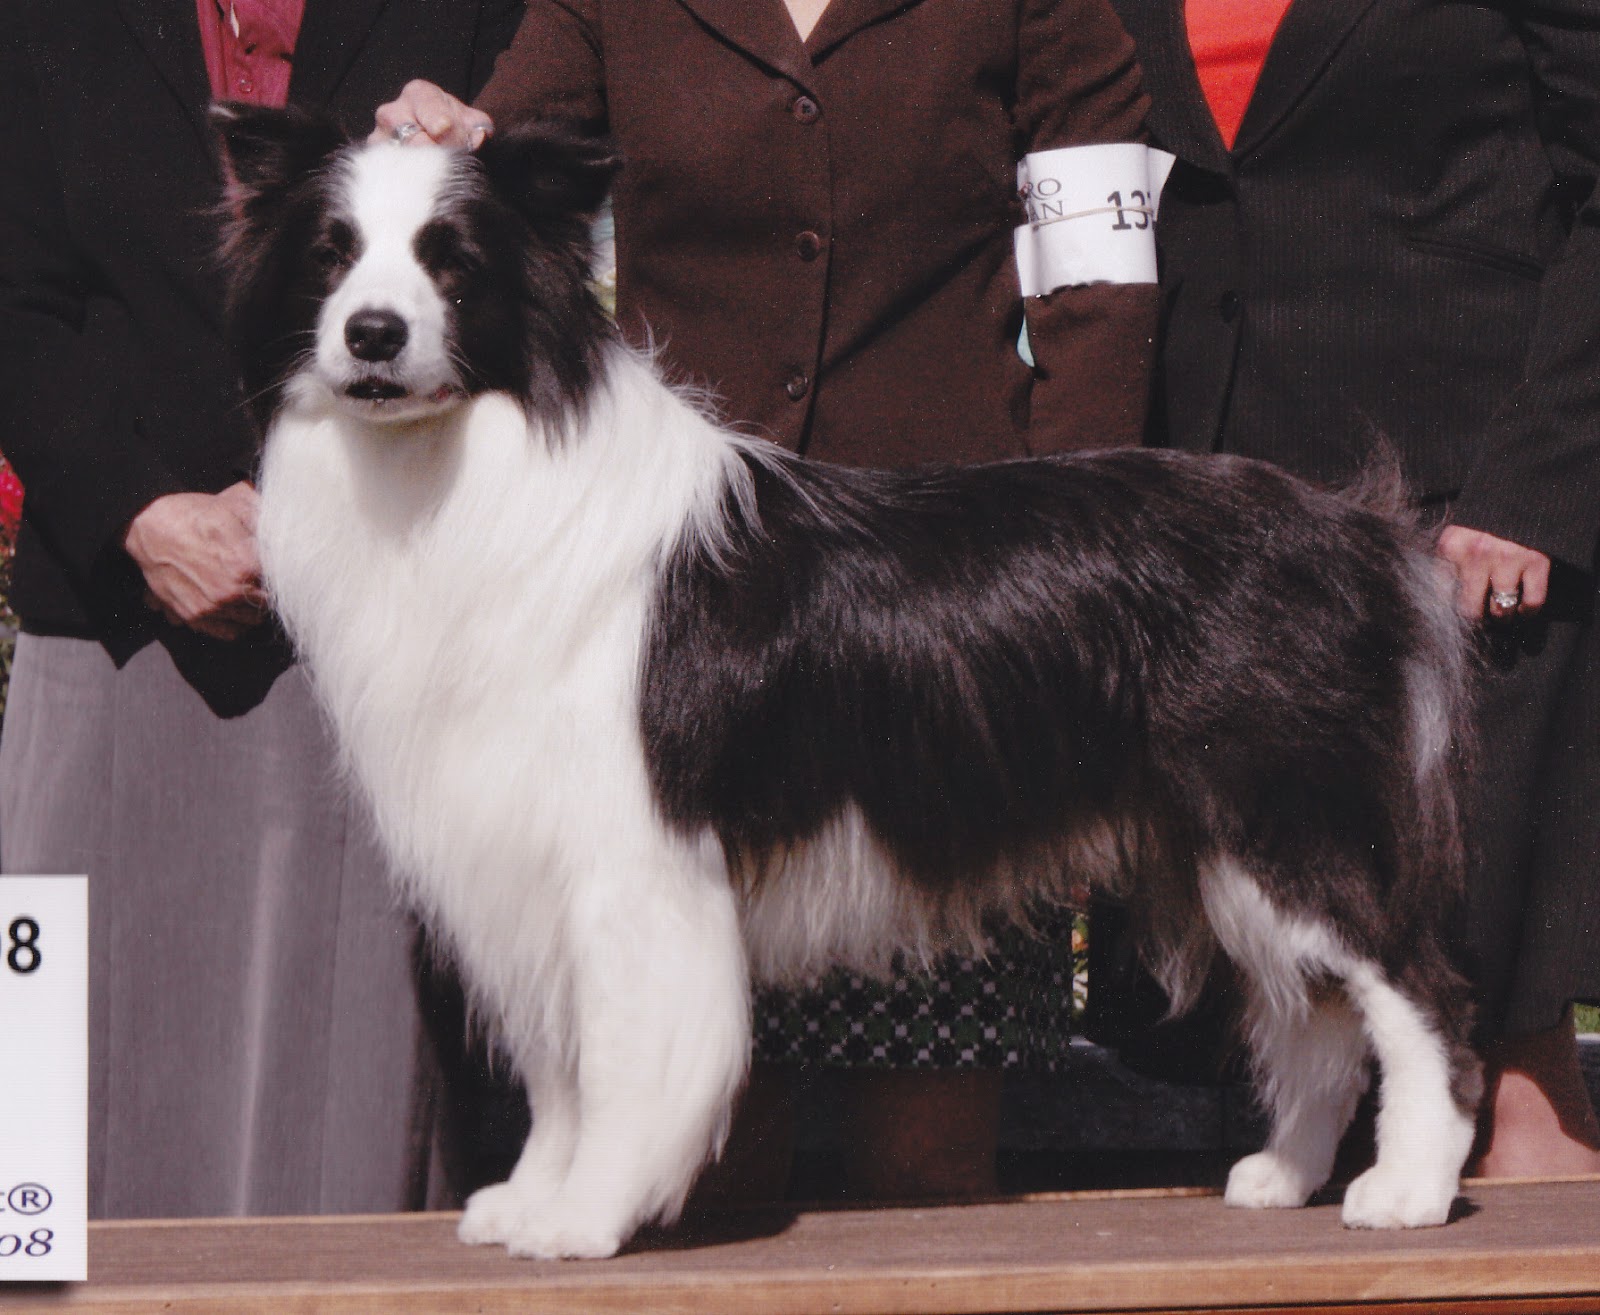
(552, 69)
(1535, 477)
(1093, 346)
(85, 467)
(497, 24)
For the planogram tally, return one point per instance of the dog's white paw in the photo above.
(495, 1214)
(1268, 1181)
(552, 1233)
(1389, 1198)
(528, 1223)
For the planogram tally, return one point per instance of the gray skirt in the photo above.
(255, 1041)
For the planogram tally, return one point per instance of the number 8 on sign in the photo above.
(22, 950)
(44, 1008)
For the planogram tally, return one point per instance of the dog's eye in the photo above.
(335, 248)
(329, 257)
(444, 252)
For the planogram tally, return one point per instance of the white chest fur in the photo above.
(471, 596)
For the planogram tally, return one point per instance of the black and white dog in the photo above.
(646, 709)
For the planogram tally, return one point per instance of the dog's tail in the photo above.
(1379, 484)
(1440, 671)
(1441, 661)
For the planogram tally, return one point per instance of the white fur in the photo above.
(848, 909)
(1315, 1013)
(1423, 1139)
(495, 730)
(391, 193)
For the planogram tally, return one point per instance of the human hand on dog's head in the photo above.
(429, 114)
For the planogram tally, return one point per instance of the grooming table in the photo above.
(1521, 1247)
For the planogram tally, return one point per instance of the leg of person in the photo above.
(1539, 1120)
(919, 1134)
(1129, 1014)
(255, 1045)
(914, 1065)
(1531, 920)
(55, 817)
(383, 1077)
(1515, 708)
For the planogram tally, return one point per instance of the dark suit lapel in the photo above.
(1307, 40)
(1180, 119)
(765, 32)
(762, 29)
(170, 34)
(842, 19)
(332, 33)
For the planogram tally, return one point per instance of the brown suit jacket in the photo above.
(821, 233)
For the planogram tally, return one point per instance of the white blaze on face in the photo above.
(389, 194)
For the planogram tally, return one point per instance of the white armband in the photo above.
(1091, 215)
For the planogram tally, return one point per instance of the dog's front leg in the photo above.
(499, 1213)
(660, 1003)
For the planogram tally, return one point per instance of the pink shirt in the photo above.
(249, 47)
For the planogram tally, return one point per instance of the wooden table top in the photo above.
(1533, 1246)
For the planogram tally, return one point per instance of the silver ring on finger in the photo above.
(404, 132)
(1505, 600)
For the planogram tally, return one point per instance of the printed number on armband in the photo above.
(1138, 205)
(1091, 214)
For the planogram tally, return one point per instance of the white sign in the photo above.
(44, 1079)
(1091, 216)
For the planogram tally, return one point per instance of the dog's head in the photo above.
(394, 281)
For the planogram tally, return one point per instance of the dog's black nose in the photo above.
(375, 335)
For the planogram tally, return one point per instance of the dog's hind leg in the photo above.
(662, 1015)
(1311, 1068)
(1308, 1050)
(1310, 1060)
(1428, 1092)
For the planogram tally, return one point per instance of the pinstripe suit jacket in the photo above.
(1403, 242)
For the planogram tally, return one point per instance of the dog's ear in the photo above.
(266, 150)
(548, 172)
